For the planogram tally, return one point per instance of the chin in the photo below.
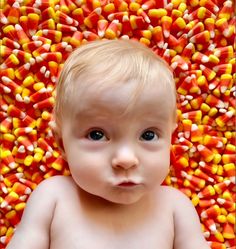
(124, 199)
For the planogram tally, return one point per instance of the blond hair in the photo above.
(105, 63)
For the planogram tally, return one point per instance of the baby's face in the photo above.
(119, 158)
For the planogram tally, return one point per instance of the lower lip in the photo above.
(127, 185)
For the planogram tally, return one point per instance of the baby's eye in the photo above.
(149, 136)
(96, 135)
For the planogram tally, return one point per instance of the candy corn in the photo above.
(195, 37)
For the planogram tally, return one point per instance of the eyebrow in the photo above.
(102, 109)
(90, 111)
(158, 117)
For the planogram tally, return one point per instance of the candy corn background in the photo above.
(196, 37)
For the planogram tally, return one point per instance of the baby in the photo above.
(114, 116)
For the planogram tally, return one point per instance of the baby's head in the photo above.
(107, 64)
(115, 113)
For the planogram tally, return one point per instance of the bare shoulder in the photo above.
(187, 226)
(34, 228)
(179, 202)
(57, 181)
(173, 195)
(56, 184)
(48, 193)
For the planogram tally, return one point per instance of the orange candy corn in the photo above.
(166, 23)
(23, 140)
(211, 212)
(101, 27)
(229, 205)
(14, 13)
(150, 4)
(228, 159)
(224, 52)
(112, 30)
(228, 231)
(157, 35)
(208, 191)
(209, 73)
(76, 39)
(207, 154)
(63, 18)
(198, 182)
(206, 203)
(92, 18)
(6, 125)
(221, 186)
(13, 217)
(198, 172)
(223, 119)
(195, 37)
(196, 134)
(227, 10)
(210, 5)
(201, 38)
(9, 199)
(20, 188)
(33, 20)
(216, 245)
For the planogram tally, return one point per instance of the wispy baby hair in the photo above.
(104, 63)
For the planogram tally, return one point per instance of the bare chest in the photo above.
(72, 231)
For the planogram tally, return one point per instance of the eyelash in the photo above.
(155, 133)
(101, 133)
(96, 131)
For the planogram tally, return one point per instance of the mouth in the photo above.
(128, 184)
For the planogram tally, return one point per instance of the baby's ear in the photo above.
(58, 138)
(175, 126)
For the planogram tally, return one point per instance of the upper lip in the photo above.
(128, 182)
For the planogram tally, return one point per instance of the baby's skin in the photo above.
(70, 220)
(113, 198)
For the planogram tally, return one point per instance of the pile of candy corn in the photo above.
(196, 38)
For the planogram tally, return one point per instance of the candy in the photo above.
(9, 199)
(202, 175)
(229, 205)
(231, 218)
(196, 40)
(13, 217)
(211, 212)
(14, 13)
(166, 23)
(207, 192)
(157, 13)
(216, 245)
(206, 203)
(227, 10)
(228, 231)
(198, 182)
(210, 5)
(112, 30)
(157, 35)
(92, 18)
(220, 187)
(211, 225)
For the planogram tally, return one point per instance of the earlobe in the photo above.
(60, 144)
(58, 138)
(174, 127)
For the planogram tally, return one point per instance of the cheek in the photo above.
(158, 166)
(86, 176)
(86, 167)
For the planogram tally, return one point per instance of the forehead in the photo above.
(126, 100)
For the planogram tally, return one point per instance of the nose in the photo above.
(124, 158)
